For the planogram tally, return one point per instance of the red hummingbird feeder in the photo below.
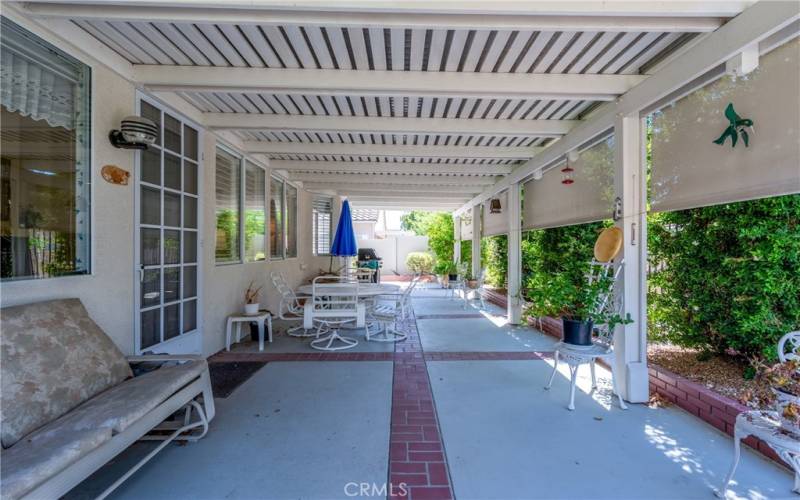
(568, 173)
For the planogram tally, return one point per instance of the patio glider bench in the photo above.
(71, 402)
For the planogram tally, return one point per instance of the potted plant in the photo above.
(451, 268)
(251, 304)
(577, 304)
(779, 389)
(440, 270)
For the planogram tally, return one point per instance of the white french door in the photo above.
(167, 241)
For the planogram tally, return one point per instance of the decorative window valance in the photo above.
(689, 170)
(590, 198)
(40, 84)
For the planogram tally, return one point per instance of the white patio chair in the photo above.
(602, 345)
(290, 308)
(332, 305)
(480, 290)
(364, 274)
(789, 347)
(388, 309)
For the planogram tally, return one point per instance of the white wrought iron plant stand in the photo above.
(602, 346)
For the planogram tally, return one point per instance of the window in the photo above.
(322, 210)
(291, 221)
(45, 162)
(229, 202)
(276, 218)
(255, 205)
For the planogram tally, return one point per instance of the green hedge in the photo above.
(494, 258)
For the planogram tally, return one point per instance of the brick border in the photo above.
(711, 407)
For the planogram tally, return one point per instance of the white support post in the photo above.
(630, 341)
(477, 229)
(514, 254)
(457, 239)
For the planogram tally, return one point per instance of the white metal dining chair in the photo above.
(290, 308)
(388, 309)
(602, 345)
(334, 303)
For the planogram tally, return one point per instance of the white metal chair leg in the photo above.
(573, 370)
(594, 378)
(387, 333)
(327, 343)
(555, 369)
(737, 452)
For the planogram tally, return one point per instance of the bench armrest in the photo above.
(148, 358)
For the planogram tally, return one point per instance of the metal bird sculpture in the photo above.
(737, 126)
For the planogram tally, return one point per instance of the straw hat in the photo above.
(608, 244)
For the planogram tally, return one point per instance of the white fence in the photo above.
(394, 250)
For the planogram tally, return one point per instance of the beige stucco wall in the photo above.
(108, 292)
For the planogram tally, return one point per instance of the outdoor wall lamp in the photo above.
(135, 132)
(495, 207)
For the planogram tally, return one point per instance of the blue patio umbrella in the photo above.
(344, 242)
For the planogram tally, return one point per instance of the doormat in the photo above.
(227, 376)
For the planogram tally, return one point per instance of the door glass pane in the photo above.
(291, 221)
(150, 202)
(189, 246)
(276, 218)
(190, 212)
(255, 201)
(189, 177)
(151, 247)
(172, 284)
(151, 327)
(189, 281)
(151, 288)
(172, 209)
(172, 172)
(189, 315)
(151, 166)
(172, 133)
(172, 247)
(190, 142)
(172, 321)
(151, 112)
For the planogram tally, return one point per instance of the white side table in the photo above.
(765, 426)
(236, 320)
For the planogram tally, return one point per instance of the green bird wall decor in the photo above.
(737, 126)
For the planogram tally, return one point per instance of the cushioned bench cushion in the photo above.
(53, 357)
(41, 455)
(122, 405)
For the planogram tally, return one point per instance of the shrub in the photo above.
(494, 258)
(437, 226)
(726, 277)
(420, 262)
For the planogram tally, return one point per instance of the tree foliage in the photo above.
(494, 259)
(437, 226)
(726, 277)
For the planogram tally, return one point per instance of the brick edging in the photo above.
(711, 407)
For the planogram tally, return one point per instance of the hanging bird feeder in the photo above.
(568, 173)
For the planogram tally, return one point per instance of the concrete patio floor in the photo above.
(479, 429)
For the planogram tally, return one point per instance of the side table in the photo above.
(236, 320)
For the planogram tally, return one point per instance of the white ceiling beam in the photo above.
(387, 125)
(557, 16)
(373, 167)
(379, 188)
(407, 204)
(381, 195)
(409, 151)
(421, 180)
(754, 25)
(384, 83)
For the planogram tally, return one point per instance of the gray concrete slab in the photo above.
(507, 438)
(425, 306)
(282, 343)
(294, 430)
(480, 335)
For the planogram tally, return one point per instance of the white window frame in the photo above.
(239, 157)
(315, 233)
(284, 227)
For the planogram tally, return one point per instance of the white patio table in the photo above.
(366, 291)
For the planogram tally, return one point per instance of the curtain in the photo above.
(549, 203)
(494, 224)
(689, 170)
(38, 84)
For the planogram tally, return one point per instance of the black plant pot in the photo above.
(452, 277)
(577, 332)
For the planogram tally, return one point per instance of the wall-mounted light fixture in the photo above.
(495, 207)
(135, 132)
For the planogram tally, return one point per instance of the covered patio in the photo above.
(162, 157)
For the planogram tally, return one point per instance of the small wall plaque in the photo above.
(115, 175)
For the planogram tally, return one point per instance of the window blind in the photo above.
(322, 212)
(494, 224)
(689, 170)
(549, 203)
